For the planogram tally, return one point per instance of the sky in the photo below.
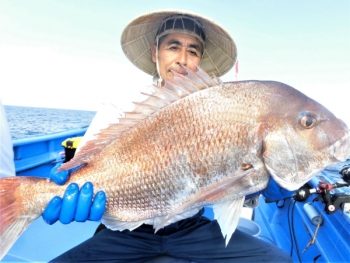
(67, 54)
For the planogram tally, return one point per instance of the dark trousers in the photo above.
(196, 239)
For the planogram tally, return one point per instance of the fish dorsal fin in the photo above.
(172, 90)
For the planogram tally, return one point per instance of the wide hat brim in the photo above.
(220, 52)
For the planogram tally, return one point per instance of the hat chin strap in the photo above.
(157, 79)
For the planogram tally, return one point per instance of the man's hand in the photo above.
(76, 205)
(61, 177)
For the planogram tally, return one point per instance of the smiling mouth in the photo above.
(179, 72)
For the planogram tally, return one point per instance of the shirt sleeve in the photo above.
(7, 165)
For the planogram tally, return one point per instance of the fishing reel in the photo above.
(345, 172)
(332, 201)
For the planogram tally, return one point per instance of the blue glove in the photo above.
(274, 192)
(61, 177)
(75, 205)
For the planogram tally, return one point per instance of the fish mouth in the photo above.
(341, 148)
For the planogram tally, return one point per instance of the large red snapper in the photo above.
(194, 142)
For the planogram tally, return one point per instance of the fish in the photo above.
(194, 142)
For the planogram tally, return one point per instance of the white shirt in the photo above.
(7, 166)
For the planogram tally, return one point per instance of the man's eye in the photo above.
(194, 52)
(173, 47)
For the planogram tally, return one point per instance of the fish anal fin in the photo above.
(227, 214)
(229, 186)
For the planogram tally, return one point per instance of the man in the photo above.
(159, 43)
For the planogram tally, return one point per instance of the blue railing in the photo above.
(32, 155)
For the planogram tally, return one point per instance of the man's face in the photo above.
(177, 50)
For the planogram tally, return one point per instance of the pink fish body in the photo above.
(194, 142)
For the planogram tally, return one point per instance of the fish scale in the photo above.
(189, 145)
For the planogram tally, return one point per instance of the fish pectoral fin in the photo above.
(233, 184)
(227, 214)
(114, 224)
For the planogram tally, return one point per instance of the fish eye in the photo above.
(308, 121)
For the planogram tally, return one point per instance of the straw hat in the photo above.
(220, 51)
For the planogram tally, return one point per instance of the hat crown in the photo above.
(182, 24)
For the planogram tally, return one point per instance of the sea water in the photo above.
(25, 122)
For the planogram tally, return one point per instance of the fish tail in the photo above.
(13, 221)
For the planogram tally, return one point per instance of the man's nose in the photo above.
(182, 57)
